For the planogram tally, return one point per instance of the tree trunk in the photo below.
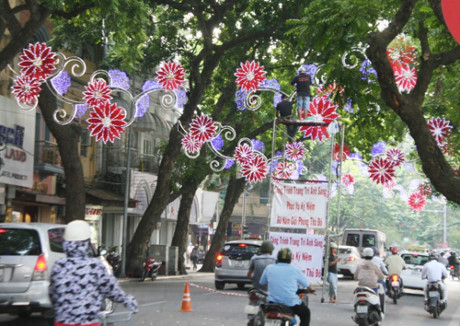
(67, 138)
(183, 218)
(234, 191)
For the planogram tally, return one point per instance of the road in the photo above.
(160, 303)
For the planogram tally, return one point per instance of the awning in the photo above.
(31, 197)
(107, 198)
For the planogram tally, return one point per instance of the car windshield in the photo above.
(415, 259)
(345, 251)
(56, 237)
(240, 248)
(19, 242)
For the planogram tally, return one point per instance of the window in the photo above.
(148, 147)
(19, 242)
(353, 239)
(246, 250)
(55, 237)
(368, 240)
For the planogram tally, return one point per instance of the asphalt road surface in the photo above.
(160, 303)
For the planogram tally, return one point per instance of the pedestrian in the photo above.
(284, 113)
(332, 277)
(79, 283)
(194, 257)
(302, 83)
(259, 262)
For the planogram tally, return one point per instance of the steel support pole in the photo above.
(125, 208)
(270, 197)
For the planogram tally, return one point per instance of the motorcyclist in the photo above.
(453, 260)
(368, 274)
(259, 262)
(283, 280)
(395, 264)
(380, 264)
(435, 272)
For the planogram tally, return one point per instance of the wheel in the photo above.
(435, 312)
(363, 323)
(240, 286)
(219, 285)
(144, 275)
(153, 277)
(395, 298)
(259, 319)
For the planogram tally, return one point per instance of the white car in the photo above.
(412, 275)
(350, 259)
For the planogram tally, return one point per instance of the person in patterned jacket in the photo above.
(78, 283)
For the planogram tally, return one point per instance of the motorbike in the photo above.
(275, 314)
(114, 259)
(151, 267)
(433, 305)
(454, 272)
(256, 298)
(367, 306)
(394, 287)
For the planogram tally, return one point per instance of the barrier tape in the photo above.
(217, 291)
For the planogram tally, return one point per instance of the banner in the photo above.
(307, 251)
(299, 205)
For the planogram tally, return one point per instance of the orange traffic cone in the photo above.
(186, 300)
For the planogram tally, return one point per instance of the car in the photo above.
(350, 259)
(412, 275)
(232, 263)
(27, 254)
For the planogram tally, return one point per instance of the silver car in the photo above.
(232, 262)
(27, 254)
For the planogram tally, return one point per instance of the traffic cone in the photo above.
(186, 299)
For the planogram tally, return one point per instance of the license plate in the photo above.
(272, 322)
(433, 294)
(362, 309)
(238, 263)
(395, 284)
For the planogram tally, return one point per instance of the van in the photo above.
(365, 238)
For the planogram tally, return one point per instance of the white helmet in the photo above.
(302, 69)
(77, 230)
(368, 252)
(333, 245)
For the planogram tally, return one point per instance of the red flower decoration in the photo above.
(107, 122)
(405, 77)
(171, 75)
(37, 61)
(250, 75)
(348, 179)
(243, 154)
(425, 189)
(440, 128)
(255, 170)
(381, 170)
(295, 151)
(97, 93)
(26, 89)
(284, 170)
(322, 110)
(389, 184)
(190, 144)
(401, 52)
(395, 156)
(417, 201)
(202, 128)
(345, 153)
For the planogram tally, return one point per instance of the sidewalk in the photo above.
(191, 274)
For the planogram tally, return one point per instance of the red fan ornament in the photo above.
(202, 128)
(295, 151)
(323, 110)
(243, 154)
(440, 128)
(389, 184)
(425, 189)
(284, 170)
(417, 201)
(405, 77)
(191, 145)
(97, 93)
(107, 122)
(381, 170)
(255, 170)
(37, 61)
(26, 89)
(348, 179)
(345, 153)
(250, 75)
(395, 156)
(171, 75)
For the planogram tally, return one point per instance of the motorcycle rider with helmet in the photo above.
(283, 280)
(259, 262)
(395, 264)
(368, 274)
(435, 272)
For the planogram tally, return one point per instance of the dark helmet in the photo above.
(266, 247)
(432, 256)
(284, 255)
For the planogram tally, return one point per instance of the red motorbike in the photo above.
(151, 267)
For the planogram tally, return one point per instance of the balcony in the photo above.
(47, 160)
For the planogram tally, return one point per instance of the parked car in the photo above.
(27, 254)
(350, 259)
(232, 262)
(412, 275)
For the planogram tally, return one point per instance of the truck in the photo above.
(365, 238)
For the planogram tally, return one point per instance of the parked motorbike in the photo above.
(434, 305)
(114, 260)
(275, 314)
(151, 267)
(394, 287)
(367, 306)
(256, 298)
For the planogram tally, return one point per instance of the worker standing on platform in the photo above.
(302, 83)
(284, 113)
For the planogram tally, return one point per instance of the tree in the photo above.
(350, 24)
